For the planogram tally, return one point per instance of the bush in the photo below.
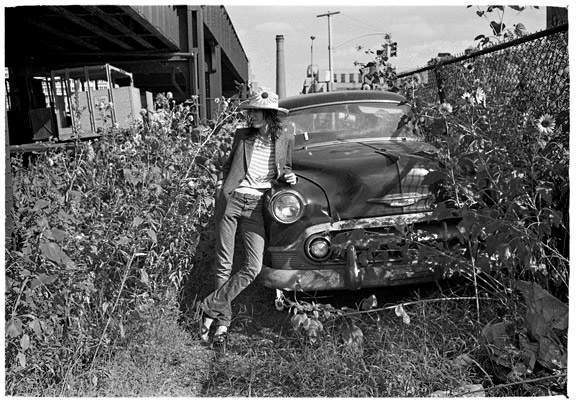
(101, 233)
(507, 174)
(506, 159)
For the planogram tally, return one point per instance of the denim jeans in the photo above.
(243, 211)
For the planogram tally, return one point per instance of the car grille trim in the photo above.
(366, 223)
(390, 252)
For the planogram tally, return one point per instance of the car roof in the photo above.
(314, 99)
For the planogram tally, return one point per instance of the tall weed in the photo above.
(103, 232)
(504, 144)
(506, 171)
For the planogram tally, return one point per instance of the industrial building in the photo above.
(188, 50)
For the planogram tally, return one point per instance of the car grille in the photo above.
(386, 246)
(390, 246)
(289, 260)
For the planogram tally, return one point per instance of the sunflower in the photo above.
(264, 97)
(545, 124)
(481, 96)
(469, 98)
(468, 67)
(446, 108)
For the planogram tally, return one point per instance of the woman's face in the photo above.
(256, 118)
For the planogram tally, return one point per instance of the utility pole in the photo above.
(329, 15)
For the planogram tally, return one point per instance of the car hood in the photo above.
(369, 178)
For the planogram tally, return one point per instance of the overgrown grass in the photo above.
(97, 303)
(101, 233)
(393, 359)
(158, 358)
(437, 354)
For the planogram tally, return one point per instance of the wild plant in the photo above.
(504, 172)
(500, 32)
(104, 229)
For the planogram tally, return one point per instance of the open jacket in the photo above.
(236, 166)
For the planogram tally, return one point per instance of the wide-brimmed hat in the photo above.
(263, 99)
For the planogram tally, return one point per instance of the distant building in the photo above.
(341, 80)
(347, 80)
(439, 57)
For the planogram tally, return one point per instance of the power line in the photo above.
(364, 24)
(340, 22)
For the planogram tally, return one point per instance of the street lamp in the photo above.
(312, 50)
(361, 36)
(312, 58)
(386, 37)
(331, 48)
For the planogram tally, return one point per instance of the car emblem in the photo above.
(399, 200)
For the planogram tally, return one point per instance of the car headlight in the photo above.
(287, 207)
(318, 247)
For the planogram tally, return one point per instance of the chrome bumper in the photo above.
(352, 276)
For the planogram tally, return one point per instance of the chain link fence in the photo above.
(529, 75)
(522, 83)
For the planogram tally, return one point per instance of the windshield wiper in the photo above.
(392, 156)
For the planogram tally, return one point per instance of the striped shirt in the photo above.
(260, 172)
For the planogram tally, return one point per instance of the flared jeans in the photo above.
(243, 211)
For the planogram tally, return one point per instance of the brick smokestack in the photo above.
(280, 67)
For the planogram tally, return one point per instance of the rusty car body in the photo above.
(359, 215)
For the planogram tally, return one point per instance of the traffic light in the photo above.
(383, 53)
(393, 49)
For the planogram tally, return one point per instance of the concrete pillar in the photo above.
(280, 67)
(8, 199)
(201, 65)
(215, 83)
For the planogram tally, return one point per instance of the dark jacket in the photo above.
(236, 166)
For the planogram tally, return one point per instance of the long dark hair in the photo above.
(274, 122)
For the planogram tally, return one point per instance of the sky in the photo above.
(421, 31)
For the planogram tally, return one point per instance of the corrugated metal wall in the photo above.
(164, 18)
(217, 21)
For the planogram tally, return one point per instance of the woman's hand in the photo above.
(290, 178)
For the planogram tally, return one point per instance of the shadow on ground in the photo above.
(257, 323)
(254, 309)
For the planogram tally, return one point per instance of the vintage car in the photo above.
(359, 215)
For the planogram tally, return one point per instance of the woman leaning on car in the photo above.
(261, 156)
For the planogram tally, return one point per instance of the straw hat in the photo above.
(263, 99)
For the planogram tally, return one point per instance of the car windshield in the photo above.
(350, 121)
